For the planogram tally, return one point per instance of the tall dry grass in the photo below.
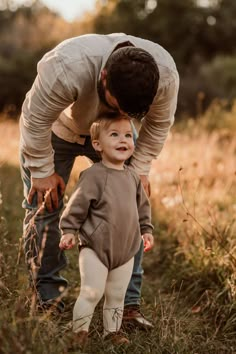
(194, 201)
(189, 288)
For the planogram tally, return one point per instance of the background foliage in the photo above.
(189, 288)
(200, 38)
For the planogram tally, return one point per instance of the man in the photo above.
(78, 81)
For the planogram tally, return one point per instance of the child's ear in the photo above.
(96, 145)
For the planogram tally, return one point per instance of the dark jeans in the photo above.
(42, 234)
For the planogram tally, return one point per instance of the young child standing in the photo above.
(111, 214)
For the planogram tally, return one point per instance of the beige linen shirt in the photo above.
(64, 99)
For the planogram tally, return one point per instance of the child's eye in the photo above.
(128, 135)
(114, 134)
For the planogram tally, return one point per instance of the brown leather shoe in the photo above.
(52, 306)
(132, 317)
(117, 338)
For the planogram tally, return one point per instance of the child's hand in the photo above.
(67, 242)
(148, 241)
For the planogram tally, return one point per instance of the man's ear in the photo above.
(104, 76)
(96, 145)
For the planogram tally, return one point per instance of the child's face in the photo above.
(116, 143)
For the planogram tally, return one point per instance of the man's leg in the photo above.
(133, 293)
(41, 231)
(132, 314)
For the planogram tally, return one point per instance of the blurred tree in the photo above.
(193, 31)
(26, 33)
(222, 70)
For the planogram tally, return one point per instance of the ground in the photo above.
(189, 288)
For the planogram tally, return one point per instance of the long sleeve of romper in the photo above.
(50, 94)
(144, 210)
(77, 209)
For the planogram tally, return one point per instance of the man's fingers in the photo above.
(54, 198)
(62, 186)
(50, 199)
(31, 195)
(48, 202)
(39, 198)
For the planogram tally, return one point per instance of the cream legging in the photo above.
(96, 281)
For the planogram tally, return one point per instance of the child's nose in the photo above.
(122, 137)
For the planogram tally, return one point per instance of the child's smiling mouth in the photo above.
(122, 149)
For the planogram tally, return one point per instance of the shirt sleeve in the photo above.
(77, 208)
(144, 210)
(155, 126)
(48, 97)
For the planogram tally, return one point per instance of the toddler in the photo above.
(110, 212)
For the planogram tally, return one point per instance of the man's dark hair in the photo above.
(132, 78)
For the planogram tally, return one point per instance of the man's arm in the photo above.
(155, 126)
(49, 95)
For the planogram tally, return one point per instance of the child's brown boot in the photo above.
(80, 339)
(117, 338)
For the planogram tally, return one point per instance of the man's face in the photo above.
(111, 102)
(106, 98)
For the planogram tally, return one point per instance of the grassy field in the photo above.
(189, 289)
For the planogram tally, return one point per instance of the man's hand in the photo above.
(67, 241)
(47, 190)
(146, 184)
(148, 241)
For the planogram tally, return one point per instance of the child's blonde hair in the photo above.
(102, 124)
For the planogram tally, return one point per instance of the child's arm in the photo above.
(67, 241)
(144, 210)
(78, 206)
(148, 241)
